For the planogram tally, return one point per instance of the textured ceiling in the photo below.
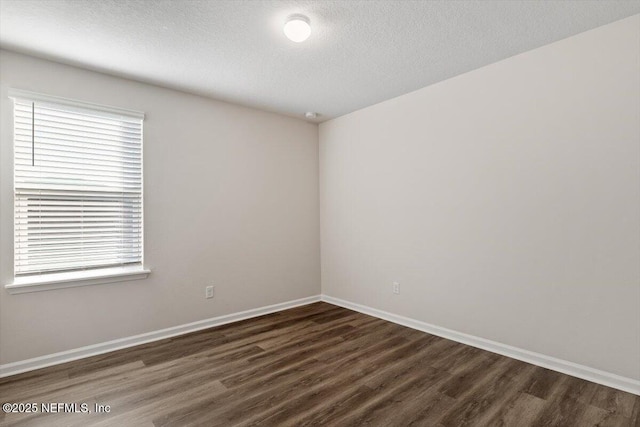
(359, 53)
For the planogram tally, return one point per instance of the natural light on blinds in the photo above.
(78, 188)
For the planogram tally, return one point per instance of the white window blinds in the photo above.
(78, 186)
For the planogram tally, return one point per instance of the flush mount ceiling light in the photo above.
(297, 28)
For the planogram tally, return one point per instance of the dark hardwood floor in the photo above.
(314, 365)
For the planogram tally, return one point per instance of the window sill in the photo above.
(52, 281)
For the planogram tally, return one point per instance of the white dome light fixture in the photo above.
(297, 28)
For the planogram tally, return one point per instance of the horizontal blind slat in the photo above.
(44, 121)
(73, 111)
(89, 113)
(75, 119)
(66, 156)
(78, 145)
(77, 265)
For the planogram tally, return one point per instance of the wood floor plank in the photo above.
(314, 365)
(332, 391)
(636, 411)
(485, 399)
(462, 381)
(522, 410)
(354, 366)
(542, 383)
(141, 412)
(387, 402)
(614, 401)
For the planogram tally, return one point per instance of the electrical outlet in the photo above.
(396, 288)
(208, 292)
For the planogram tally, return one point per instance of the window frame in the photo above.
(92, 276)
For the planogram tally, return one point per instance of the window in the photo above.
(78, 190)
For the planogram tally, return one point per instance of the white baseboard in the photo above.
(580, 371)
(96, 349)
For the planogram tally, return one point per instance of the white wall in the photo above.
(231, 199)
(506, 201)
